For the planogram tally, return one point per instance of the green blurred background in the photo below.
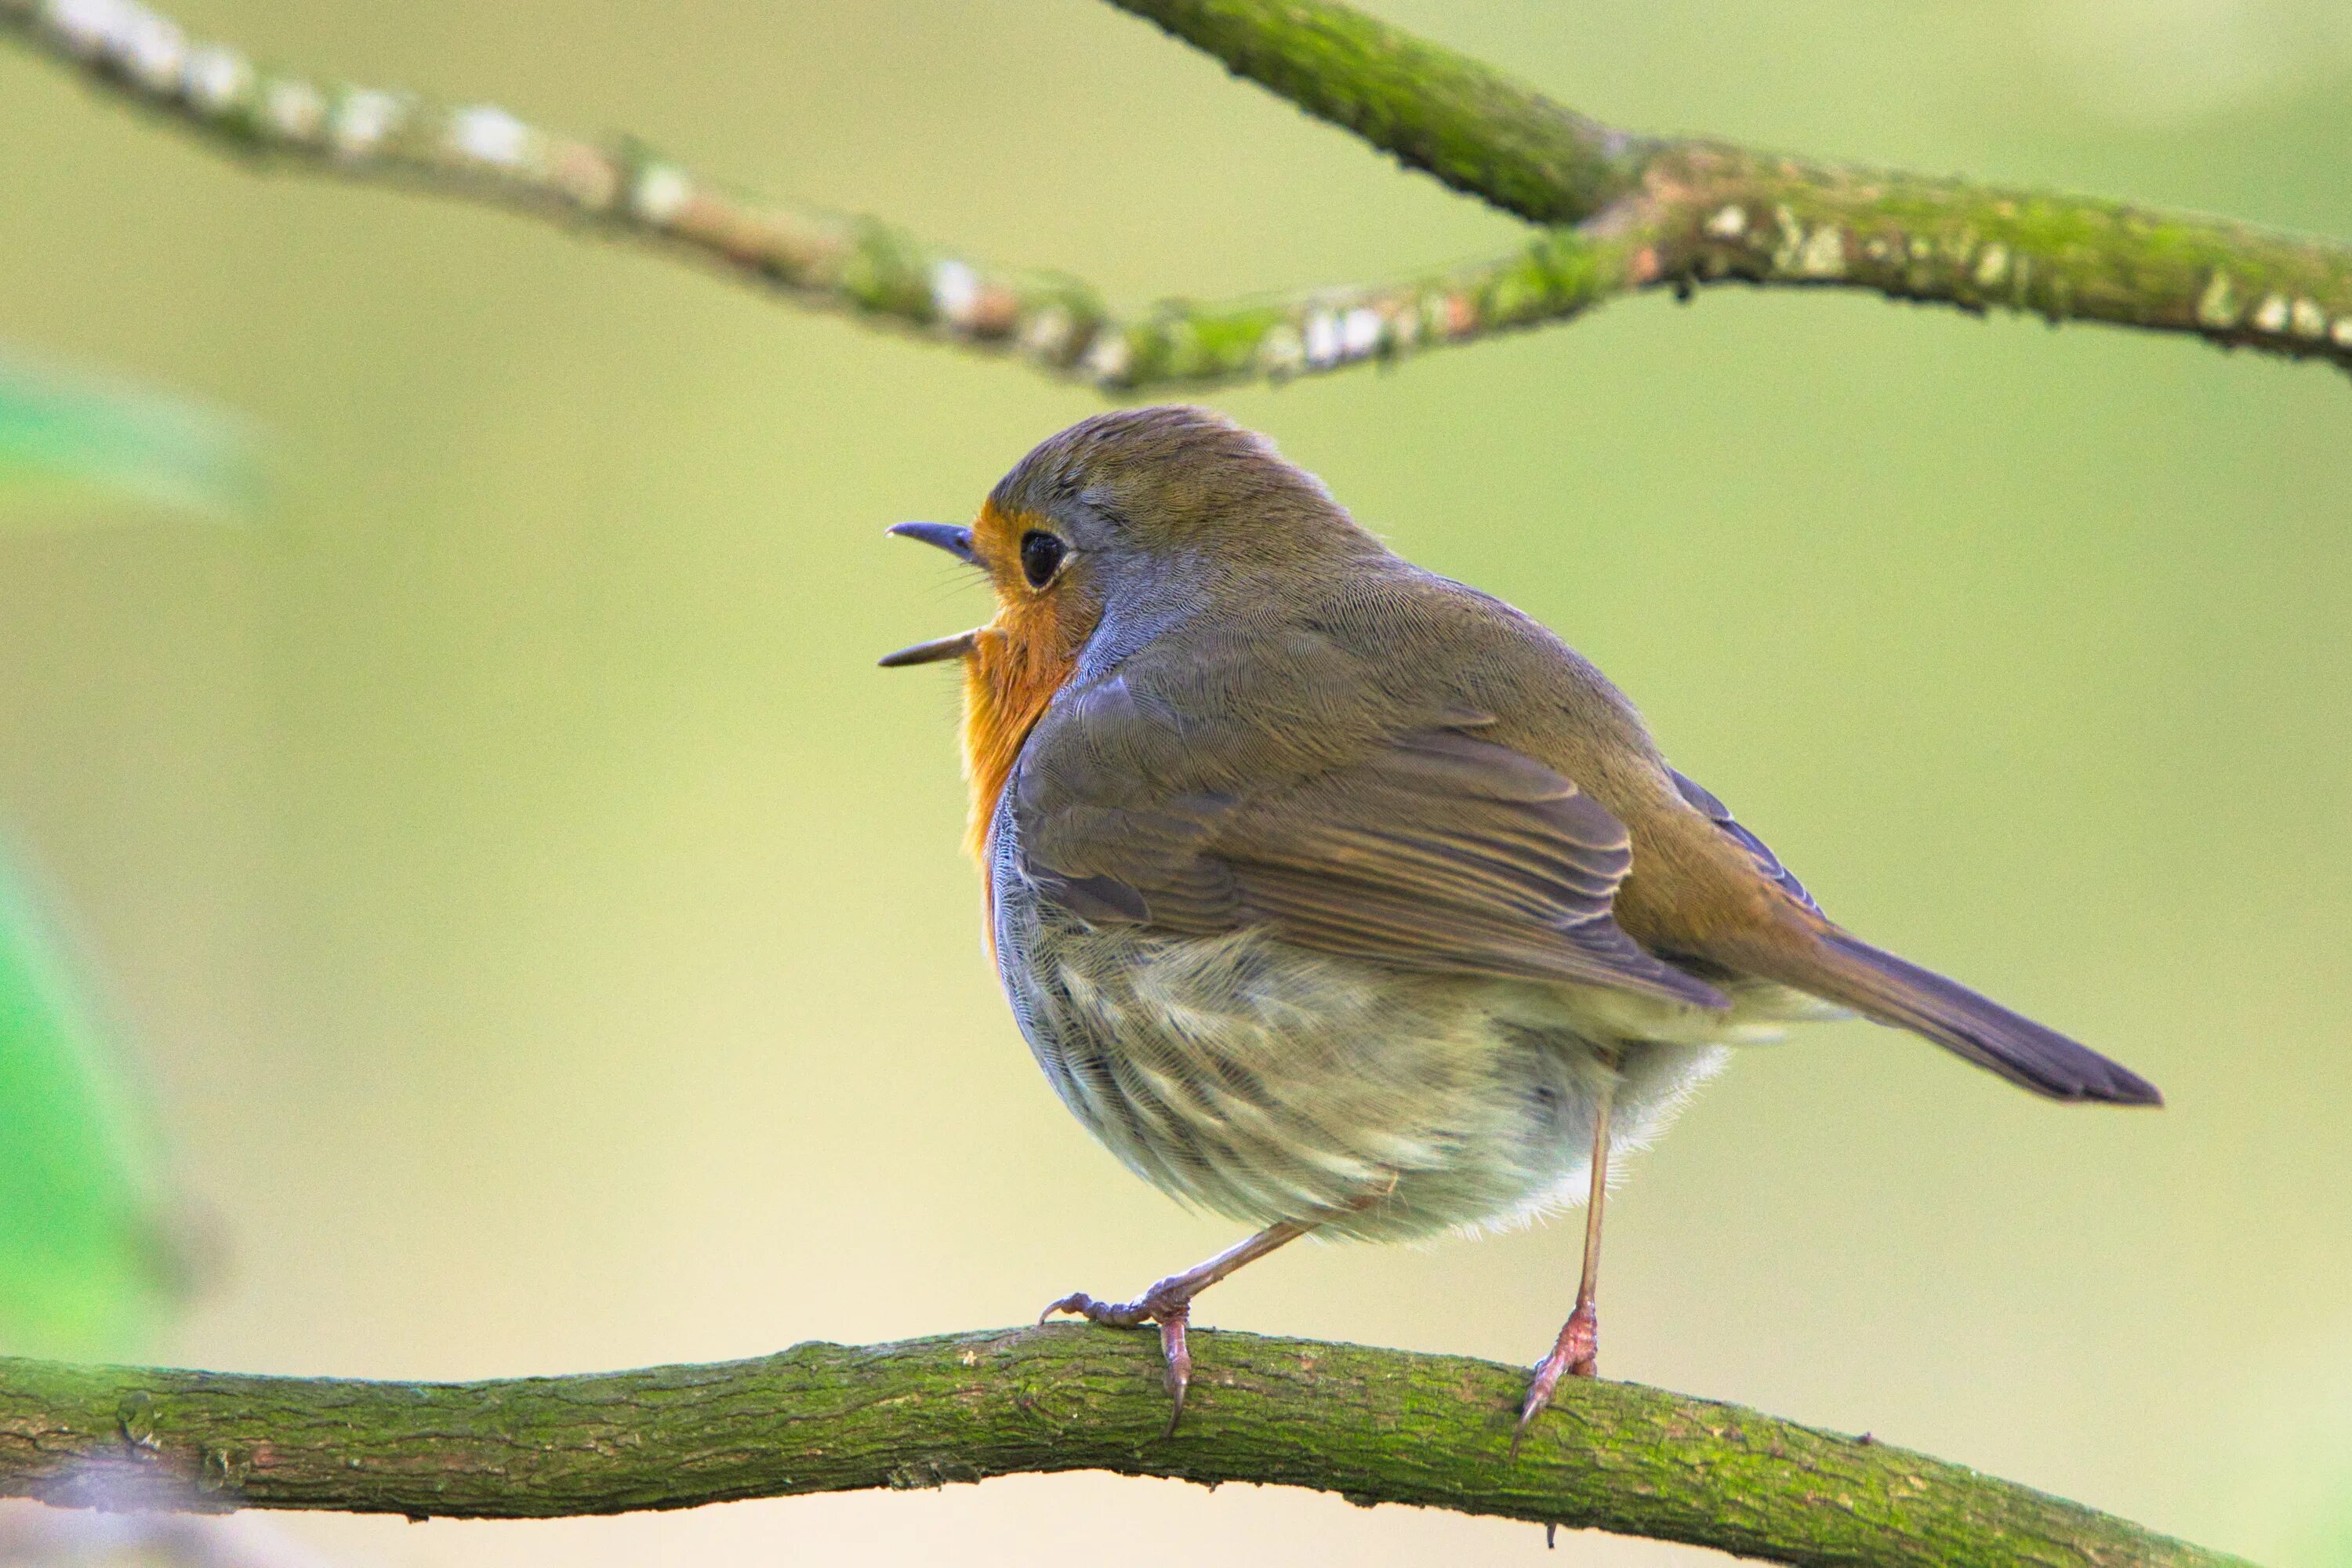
(540, 934)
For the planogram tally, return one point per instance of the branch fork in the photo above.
(1617, 213)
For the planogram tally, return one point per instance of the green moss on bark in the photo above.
(1374, 1426)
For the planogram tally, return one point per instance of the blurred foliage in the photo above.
(84, 1263)
(66, 438)
(83, 1253)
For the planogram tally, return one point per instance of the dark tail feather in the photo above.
(1883, 987)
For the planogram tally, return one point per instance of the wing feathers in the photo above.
(1434, 850)
(1758, 850)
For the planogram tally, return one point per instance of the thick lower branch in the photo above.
(1375, 1425)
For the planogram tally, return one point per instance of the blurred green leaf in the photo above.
(68, 438)
(85, 1263)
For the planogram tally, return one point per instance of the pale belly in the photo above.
(1265, 1082)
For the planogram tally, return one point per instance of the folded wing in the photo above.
(1430, 850)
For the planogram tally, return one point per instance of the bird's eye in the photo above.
(1041, 556)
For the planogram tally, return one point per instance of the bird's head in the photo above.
(1108, 534)
(1131, 513)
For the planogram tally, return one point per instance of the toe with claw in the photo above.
(1169, 1302)
(1575, 1354)
(1170, 1309)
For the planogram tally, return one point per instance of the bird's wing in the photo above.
(1758, 850)
(1429, 848)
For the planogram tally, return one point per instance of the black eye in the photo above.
(1041, 556)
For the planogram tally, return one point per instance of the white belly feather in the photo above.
(1265, 1082)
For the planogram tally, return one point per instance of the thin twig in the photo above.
(873, 269)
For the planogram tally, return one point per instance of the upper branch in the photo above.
(1375, 1425)
(1627, 212)
(1457, 118)
(875, 270)
(1702, 212)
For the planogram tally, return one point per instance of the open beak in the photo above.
(933, 651)
(948, 536)
(957, 542)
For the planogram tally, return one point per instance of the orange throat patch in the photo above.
(1018, 662)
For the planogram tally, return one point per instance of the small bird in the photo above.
(1334, 896)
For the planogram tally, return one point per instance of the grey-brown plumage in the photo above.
(1330, 891)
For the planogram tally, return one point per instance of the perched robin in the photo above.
(1335, 896)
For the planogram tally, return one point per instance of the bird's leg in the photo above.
(1169, 1302)
(1577, 1351)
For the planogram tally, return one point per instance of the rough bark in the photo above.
(1374, 1426)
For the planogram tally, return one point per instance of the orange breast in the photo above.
(1022, 659)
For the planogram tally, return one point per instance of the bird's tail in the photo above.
(1888, 990)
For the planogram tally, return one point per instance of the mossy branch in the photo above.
(1374, 1426)
(1684, 212)
(1622, 212)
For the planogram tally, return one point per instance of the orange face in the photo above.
(1014, 664)
(1019, 660)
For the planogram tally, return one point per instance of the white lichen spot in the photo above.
(86, 26)
(1822, 253)
(2270, 316)
(489, 135)
(2308, 320)
(659, 193)
(1046, 334)
(1922, 247)
(215, 78)
(955, 292)
(294, 109)
(1110, 357)
(1992, 265)
(2340, 335)
(1729, 222)
(152, 48)
(1359, 332)
(1792, 238)
(363, 118)
(1282, 351)
(2217, 308)
(1322, 338)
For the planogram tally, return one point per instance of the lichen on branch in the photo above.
(1703, 212)
(875, 270)
(1622, 212)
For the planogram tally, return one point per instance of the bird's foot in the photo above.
(1169, 1304)
(1576, 1353)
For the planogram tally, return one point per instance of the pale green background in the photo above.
(547, 933)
